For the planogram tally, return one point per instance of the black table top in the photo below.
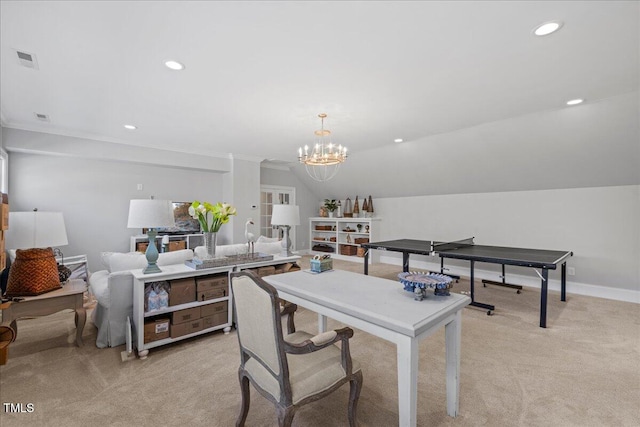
(422, 247)
(539, 258)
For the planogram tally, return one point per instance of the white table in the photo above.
(380, 307)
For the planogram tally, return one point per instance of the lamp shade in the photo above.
(150, 213)
(36, 230)
(285, 215)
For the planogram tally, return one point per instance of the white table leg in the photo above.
(453, 334)
(407, 350)
(322, 323)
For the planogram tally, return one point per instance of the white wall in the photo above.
(305, 199)
(94, 195)
(243, 192)
(600, 225)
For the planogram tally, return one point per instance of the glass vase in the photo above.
(210, 240)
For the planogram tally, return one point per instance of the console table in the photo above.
(70, 296)
(178, 272)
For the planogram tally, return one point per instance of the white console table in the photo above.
(181, 271)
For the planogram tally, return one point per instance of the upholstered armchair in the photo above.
(288, 370)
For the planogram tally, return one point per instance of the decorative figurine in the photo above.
(356, 208)
(348, 210)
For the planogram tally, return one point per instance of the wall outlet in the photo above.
(571, 271)
(140, 187)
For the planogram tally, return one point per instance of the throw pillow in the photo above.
(126, 261)
(264, 239)
(175, 257)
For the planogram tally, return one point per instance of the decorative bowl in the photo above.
(418, 283)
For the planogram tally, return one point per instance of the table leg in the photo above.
(453, 338)
(407, 354)
(322, 323)
(543, 298)
(366, 261)
(81, 318)
(405, 261)
(563, 282)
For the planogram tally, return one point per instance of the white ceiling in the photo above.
(258, 73)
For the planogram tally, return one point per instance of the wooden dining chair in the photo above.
(289, 370)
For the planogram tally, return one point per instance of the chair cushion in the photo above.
(309, 374)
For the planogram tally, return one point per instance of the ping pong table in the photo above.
(466, 249)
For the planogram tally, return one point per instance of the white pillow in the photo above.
(264, 239)
(175, 257)
(273, 248)
(126, 261)
(224, 250)
(104, 257)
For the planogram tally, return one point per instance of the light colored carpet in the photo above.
(583, 370)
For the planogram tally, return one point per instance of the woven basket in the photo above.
(34, 272)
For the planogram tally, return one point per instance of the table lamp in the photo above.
(151, 214)
(285, 216)
(35, 271)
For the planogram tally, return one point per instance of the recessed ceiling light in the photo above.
(547, 28)
(398, 140)
(575, 101)
(174, 65)
(130, 127)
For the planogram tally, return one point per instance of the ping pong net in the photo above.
(451, 246)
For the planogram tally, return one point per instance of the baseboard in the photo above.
(575, 288)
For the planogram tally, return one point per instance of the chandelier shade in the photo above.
(323, 160)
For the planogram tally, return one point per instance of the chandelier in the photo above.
(324, 159)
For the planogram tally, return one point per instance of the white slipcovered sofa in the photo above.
(113, 286)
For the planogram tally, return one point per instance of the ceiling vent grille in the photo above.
(27, 59)
(42, 117)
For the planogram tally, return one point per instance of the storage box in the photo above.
(361, 252)
(187, 315)
(207, 283)
(155, 330)
(182, 291)
(211, 294)
(266, 271)
(214, 320)
(177, 245)
(360, 240)
(324, 227)
(186, 328)
(320, 265)
(215, 308)
(348, 250)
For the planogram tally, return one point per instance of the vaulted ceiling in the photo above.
(475, 96)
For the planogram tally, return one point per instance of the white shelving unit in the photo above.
(180, 271)
(341, 236)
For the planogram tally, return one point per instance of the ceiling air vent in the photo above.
(42, 117)
(27, 59)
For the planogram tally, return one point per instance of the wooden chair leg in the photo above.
(246, 400)
(354, 395)
(285, 416)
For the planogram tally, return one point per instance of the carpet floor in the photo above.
(582, 370)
